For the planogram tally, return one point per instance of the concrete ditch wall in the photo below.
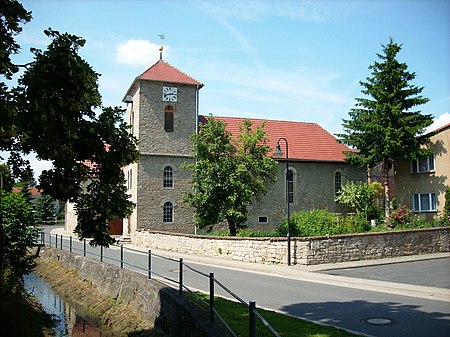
(305, 251)
(161, 305)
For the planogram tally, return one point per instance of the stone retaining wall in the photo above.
(305, 251)
(161, 305)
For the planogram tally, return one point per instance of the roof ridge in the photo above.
(181, 71)
(261, 119)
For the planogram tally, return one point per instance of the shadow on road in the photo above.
(377, 319)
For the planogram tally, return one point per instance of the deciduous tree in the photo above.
(229, 173)
(383, 126)
(56, 113)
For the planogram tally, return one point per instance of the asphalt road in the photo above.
(369, 312)
(431, 273)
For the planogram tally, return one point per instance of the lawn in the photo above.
(236, 315)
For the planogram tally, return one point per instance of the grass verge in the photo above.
(236, 315)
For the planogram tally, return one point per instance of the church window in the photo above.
(168, 118)
(337, 183)
(290, 186)
(168, 177)
(168, 212)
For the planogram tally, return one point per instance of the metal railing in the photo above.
(61, 243)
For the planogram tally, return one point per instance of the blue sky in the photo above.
(289, 60)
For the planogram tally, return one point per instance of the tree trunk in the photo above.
(387, 202)
(232, 227)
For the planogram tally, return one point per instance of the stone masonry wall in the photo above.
(305, 251)
(161, 305)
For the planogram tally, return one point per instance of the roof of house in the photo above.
(35, 193)
(438, 130)
(306, 141)
(162, 71)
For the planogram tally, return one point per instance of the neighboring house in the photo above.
(421, 183)
(162, 109)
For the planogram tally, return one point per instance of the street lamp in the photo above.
(279, 154)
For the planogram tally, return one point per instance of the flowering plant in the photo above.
(400, 217)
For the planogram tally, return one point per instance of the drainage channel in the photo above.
(69, 320)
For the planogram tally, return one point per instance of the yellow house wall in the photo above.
(407, 183)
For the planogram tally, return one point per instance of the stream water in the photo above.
(70, 321)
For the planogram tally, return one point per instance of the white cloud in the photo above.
(440, 121)
(139, 52)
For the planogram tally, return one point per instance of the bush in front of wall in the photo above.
(322, 222)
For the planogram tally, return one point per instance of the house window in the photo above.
(290, 186)
(168, 177)
(263, 220)
(168, 118)
(337, 183)
(422, 164)
(424, 202)
(168, 212)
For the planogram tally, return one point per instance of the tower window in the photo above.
(168, 118)
(168, 177)
(168, 212)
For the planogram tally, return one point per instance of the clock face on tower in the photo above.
(169, 94)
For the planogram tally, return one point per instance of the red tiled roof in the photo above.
(307, 141)
(32, 190)
(164, 72)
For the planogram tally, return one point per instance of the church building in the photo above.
(162, 109)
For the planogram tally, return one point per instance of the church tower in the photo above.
(162, 110)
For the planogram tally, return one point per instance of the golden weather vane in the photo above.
(161, 37)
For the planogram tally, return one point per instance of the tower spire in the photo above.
(161, 37)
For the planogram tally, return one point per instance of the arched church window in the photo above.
(168, 212)
(168, 118)
(337, 183)
(290, 185)
(168, 177)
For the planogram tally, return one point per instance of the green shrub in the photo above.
(322, 222)
(401, 217)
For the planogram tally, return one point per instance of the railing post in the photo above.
(70, 244)
(101, 253)
(43, 238)
(56, 241)
(84, 247)
(181, 276)
(61, 241)
(211, 297)
(149, 264)
(252, 319)
(121, 256)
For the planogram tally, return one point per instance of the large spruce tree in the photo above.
(384, 125)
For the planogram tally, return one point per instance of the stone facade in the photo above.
(305, 251)
(314, 188)
(159, 149)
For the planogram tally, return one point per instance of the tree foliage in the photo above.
(12, 15)
(355, 194)
(19, 231)
(56, 113)
(229, 173)
(44, 211)
(382, 126)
